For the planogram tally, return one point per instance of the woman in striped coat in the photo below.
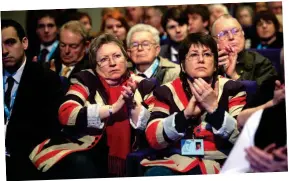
(101, 108)
(195, 113)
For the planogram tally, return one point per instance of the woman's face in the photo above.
(199, 62)
(116, 28)
(265, 28)
(111, 63)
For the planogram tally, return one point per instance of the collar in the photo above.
(174, 51)
(49, 48)
(17, 75)
(151, 70)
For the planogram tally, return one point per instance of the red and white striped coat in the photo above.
(219, 131)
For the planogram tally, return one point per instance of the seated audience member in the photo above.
(32, 96)
(143, 44)
(73, 43)
(115, 23)
(245, 16)
(271, 92)
(235, 61)
(134, 15)
(153, 16)
(275, 7)
(175, 23)
(199, 106)
(217, 10)
(47, 32)
(260, 6)
(267, 30)
(101, 107)
(199, 18)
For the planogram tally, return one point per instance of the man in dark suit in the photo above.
(175, 23)
(45, 48)
(32, 98)
(73, 43)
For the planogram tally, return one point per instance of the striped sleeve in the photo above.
(224, 121)
(162, 128)
(73, 111)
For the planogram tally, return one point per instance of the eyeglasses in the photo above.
(146, 45)
(193, 56)
(224, 35)
(106, 60)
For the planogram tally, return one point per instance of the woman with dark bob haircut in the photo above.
(267, 30)
(200, 106)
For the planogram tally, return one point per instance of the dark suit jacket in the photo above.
(35, 113)
(166, 52)
(83, 64)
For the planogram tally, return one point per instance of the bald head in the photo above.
(222, 19)
(231, 33)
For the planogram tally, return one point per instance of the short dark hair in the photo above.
(199, 38)
(175, 14)
(201, 10)
(267, 16)
(48, 13)
(5, 23)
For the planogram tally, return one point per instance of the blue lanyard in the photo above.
(155, 66)
(6, 110)
(260, 46)
(54, 46)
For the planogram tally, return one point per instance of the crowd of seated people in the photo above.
(188, 83)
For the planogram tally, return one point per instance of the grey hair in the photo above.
(225, 16)
(141, 28)
(219, 6)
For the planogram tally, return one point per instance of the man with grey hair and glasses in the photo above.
(235, 61)
(143, 44)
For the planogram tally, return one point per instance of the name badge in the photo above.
(193, 147)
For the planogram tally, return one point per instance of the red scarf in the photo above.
(118, 132)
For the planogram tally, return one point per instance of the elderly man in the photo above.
(236, 62)
(143, 44)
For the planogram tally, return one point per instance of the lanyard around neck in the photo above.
(54, 46)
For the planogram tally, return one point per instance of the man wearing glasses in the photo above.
(235, 62)
(143, 44)
(73, 41)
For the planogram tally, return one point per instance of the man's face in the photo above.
(215, 13)
(72, 47)
(276, 7)
(46, 30)
(226, 27)
(146, 52)
(196, 23)
(135, 13)
(152, 17)
(12, 48)
(176, 32)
